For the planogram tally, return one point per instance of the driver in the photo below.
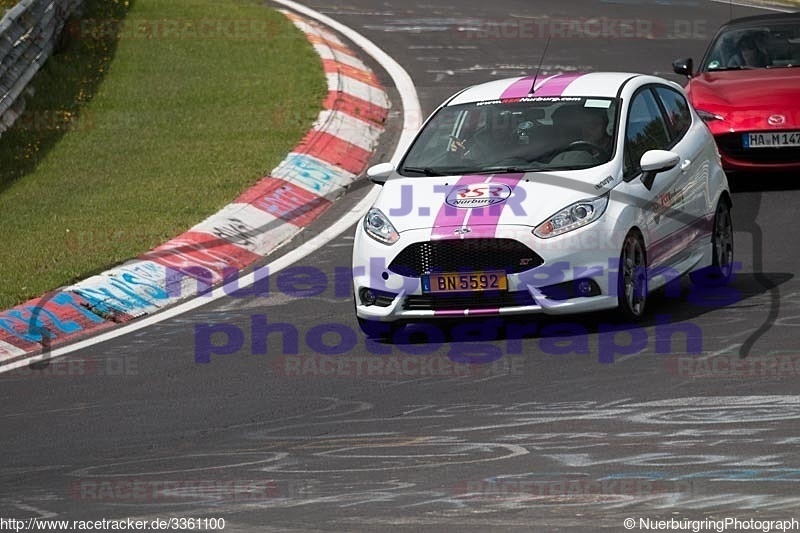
(575, 123)
(749, 54)
(594, 128)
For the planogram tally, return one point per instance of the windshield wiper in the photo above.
(451, 171)
(506, 170)
(428, 171)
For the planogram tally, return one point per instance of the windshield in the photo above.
(518, 135)
(774, 45)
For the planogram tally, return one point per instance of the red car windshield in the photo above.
(772, 45)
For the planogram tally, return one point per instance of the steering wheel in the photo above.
(587, 146)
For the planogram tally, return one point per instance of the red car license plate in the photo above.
(771, 139)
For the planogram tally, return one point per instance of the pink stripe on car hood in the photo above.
(483, 221)
(449, 216)
(547, 86)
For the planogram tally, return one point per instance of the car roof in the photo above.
(595, 84)
(761, 19)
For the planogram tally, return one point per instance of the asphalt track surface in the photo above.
(535, 440)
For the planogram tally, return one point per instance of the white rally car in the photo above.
(562, 194)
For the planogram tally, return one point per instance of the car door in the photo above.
(646, 129)
(690, 199)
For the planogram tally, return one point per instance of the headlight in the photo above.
(708, 116)
(379, 228)
(573, 217)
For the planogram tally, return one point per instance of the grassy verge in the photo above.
(5, 5)
(132, 139)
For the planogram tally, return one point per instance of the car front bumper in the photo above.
(589, 255)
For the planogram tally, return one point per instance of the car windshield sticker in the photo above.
(525, 99)
(605, 104)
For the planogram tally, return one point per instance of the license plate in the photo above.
(771, 139)
(465, 282)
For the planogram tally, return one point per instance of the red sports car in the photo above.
(747, 89)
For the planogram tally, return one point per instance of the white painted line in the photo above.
(325, 52)
(326, 35)
(412, 112)
(732, 349)
(348, 128)
(239, 225)
(411, 117)
(7, 351)
(365, 91)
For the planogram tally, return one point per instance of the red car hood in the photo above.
(748, 98)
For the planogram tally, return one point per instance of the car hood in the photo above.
(749, 97)
(483, 202)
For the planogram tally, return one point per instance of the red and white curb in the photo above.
(328, 159)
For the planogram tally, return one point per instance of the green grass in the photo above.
(131, 141)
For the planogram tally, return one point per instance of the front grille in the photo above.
(731, 144)
(464, 255)
(442, 302)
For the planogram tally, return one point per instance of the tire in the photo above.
(632, 288)
(721, 269)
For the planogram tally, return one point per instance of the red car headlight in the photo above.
(708, 116)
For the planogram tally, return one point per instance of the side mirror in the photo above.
(380, 173)
(655, 161)
(683, 66)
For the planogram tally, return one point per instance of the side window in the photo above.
(679, 118)
(645, 130)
